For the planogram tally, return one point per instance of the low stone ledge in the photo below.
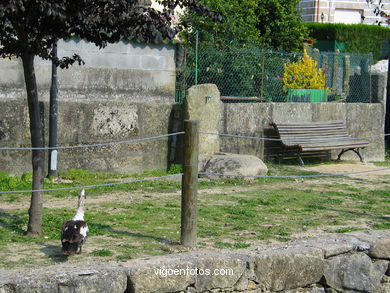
(193, 271)
(352, 262)
(335, 244)
(65, 278)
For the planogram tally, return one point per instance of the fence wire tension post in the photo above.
(189, 191)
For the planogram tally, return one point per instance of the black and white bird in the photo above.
(74, 232)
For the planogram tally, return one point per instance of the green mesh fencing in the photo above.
(255, 75)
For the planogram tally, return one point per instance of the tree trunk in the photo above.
(34, 227)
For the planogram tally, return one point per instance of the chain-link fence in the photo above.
(255, 75)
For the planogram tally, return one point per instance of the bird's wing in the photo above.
(74, 231)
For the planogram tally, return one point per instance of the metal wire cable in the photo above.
(292, 139)
(94, 145)
(92, 186)
(296, 176)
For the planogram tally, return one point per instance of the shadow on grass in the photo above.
(12, 222)
(136, 235)
(54, 253)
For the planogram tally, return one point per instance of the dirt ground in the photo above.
(375, 171)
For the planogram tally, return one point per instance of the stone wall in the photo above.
(123, 91)
(352, 262)
(91, 122)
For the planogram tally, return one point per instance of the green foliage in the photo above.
(280, 24)
(175, 169)
(275, 24)
(13, 182)
(238, 26)
(360, 38)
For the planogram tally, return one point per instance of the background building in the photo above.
(345, 11)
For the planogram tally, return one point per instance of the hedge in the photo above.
(359, 38)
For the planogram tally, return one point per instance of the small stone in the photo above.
(252, 285)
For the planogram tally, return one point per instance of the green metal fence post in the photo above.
(347, 73)
(196, 56)
(335, 71)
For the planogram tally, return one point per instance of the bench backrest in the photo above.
(324, 133)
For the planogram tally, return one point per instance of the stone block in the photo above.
(354, 271)
(194, 271)
(335, 244)
(288, 268)
(379, 241)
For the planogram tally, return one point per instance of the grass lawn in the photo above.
(143, 219)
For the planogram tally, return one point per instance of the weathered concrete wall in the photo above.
(121, 70)
(123, 91)
(353, 262)
(253, 120)
(91, 122)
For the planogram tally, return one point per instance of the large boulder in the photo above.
(234, 164)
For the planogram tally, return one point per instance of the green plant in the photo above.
(102, 252)
(304, 74)
(175, 169)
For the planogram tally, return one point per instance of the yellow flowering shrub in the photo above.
(304, 74)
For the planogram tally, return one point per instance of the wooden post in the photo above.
(189, 190)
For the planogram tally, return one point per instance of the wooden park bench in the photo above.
(318, 136)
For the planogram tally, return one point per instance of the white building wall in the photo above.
(342, 11)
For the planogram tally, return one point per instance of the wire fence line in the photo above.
(200, 173)
(296, 176)
(136, 140)
(93, 186)
(291, 139)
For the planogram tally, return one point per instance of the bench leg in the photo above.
(300, 160)
(341, 153)
(356, 151)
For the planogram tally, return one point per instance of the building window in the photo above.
(347, 16)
